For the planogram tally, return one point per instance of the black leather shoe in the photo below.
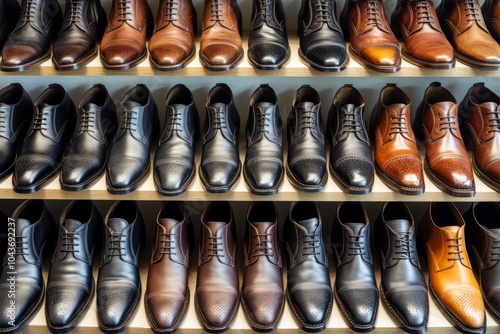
(16, 109)
(29, 44)
(33, 228)
(322, 44)
(306, 160)
(83, 25)
(49, 133)
(483, 239)
(220, 161)
(263, 169)
(174, 166)
(87, 152)
(355, 287)
(351, 160)
(9, 14)
(403, 288)
(119, 283)
(309, 291)
(70, 286)
(268, 47)
(129, 157)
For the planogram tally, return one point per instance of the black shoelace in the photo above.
(40, 120)
(215, 247)
(398, 124)
(494, 121)
(355, 245)
(29, 11)
(311, 243)
(74, 10)
(216, 12)
(373, 12)
(495, 251)
(87, 120)
(424, 12)
(70, 240)
(263, 122)
(404, 247)
(307, 120)
(351, 122)
(167, 243)
(174, 120)
(262, 10)
(324, 12)
(264, 246)
(219, 120)
(21, 246)
(124, 11)
(472, 12)
(455, 254)
(171, 7)
(115, 245)
(129, 119)
(447, 123)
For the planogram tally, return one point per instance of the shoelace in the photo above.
(75, 7)
(424, 12)
(263, 120)
(495, 251)
(351, 122)
(398, 125)
(167, 245)
(29, 12)
(311, 244)
(324, 12)
(355, 245)
(21, 246)
(124, 11)
(40, 120)
(87, 118)
(494, 121)
(472, 12)
(115, 245)
(3, 118)
(219, 120)
(456, 253)
(129, 119)
(262, 10)
(404, 247)
(174, 120)
(264, 246)
(216, 12)
(171, 7)
(372, 12)
(70, 240)
(447, 123)
(215, 247)
(307, 120)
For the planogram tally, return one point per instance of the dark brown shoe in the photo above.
(217, 296)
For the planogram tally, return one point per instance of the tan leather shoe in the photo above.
(172, 45)
(424, 43)
(451, 279)
(447, 162)
(124, 42)
(220, 45)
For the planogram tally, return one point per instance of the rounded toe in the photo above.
(264, 174)
(172, 176)
(361, 305)
(27, 297)
(327, 55)
(168, 54)
(14, 55)
(355, 172)
(411, 306)
(405, 171)
(218, 173)
(120, 54)
(114, 305)
(29, 171)
(312, 303)
(124, 173)
(382, 55)
(309, 172)
(63, 304)
(69, 54)
(217, 307)
(267, 54)
(265, 307)
(76, 170)
(457, 173)
(220, 54)
(166, 310)
(466, 305)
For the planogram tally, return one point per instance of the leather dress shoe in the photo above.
(16, 109)
(172, 44)
(447, 162)
(9, 14)
(129, 156)
(355, 286)
(217, 296)
(167, 294)
(451, 279)
(268, 47)
(306, 160)
(262, 292)
(123, 44)
(479, 113)
(220, 44)
(86, 155)
(373, 44)
(83, 25)
(483, 237)
(50, 131)
(33, 227)
(174, 166)
(29, 44)
(220, 160)
(322, 45)
(351, 160)
(403, 288)
(424, 43)
(397, 160)
(263, 169)
(309, 291)
(70, 286)
(464, 26)
(119, 282)
(491, 14)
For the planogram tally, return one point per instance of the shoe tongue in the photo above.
(262, 227)
(178, 106)
(263, 105)
(218, 105)
(215, 226)
(168, 223)
(453, 230)
(305, 105)
(117, 224)
(310, 224)
(490, 105)
(399, 225)
(131, 105)
(349, 107)
(355, 227)
(71, 225)
(21, 224)
(495, 231)
(446, 106)
(89, 106)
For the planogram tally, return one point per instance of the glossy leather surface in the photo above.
(70, 286)
(268, 47)
(355, 286)
(217, 284)
(33, 228)
(451, 279)
(479, 114)
(424, 43)
(220, 161)
(119, 282)
(403, 286)
(29, 44)
(351, 160)
(264, 154)
(172, 43)
(397, 160)
(322, 45)
(306, 159)
(9, 14)
(309, 291)
(129, 157)
(3, 234)
(447, 162)
(491, 14)
(16, 109)
(174, 166)
(262, 292)
(50, 131)
(167, 294)
(87, 152)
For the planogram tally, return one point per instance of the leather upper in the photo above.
(491, 12)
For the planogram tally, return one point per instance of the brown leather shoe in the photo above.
(480, 114)
(451, 279)
(424, 43)
(397, 161)
(491, 13)
(167, 293)
(172, 45)
(447, 162)
(263, 295)
(464, 26)
(124, 42)
(220, 45)
(373, 43)
(217, 297)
